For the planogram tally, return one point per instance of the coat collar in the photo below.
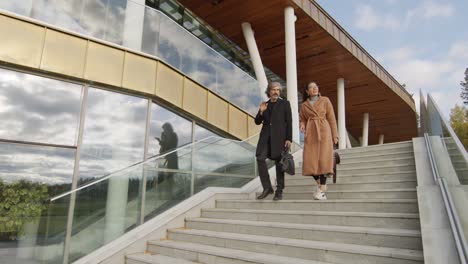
(313, 107)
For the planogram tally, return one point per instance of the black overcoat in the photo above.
(278, 130)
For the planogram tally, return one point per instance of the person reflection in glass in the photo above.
(168, 142)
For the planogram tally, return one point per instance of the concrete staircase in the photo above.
(371, 216)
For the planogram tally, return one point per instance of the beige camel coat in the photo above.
(320, 124)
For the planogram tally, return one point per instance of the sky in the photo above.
(422, 43)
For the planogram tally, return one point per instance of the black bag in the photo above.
(287, 163)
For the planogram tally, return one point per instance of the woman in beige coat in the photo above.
(317, 122)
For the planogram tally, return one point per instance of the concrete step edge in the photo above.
(345, 162)
(353, 191)
(345, 155)
(232, 253)
(157, 259)
(310, 244)
(391, 201)
(298, 176)
(376, 167)
(344, 229)
(355, 183)
(322, 213)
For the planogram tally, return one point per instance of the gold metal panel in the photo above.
(237, 122)
(64, 54)
(217, 112)
(169, 85)
(195, 99)
(21, 42)
(104, 64)
(139, 73)
(252, 127)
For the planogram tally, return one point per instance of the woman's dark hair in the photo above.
(270, 86)
(167, 127)
(305, 95)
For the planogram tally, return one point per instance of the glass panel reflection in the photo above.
(38, 109)
(168, 131)
(113, 135)
(201, 133)
(106, 211)
(19, 7)
(62, 13)
(150, 32)
(30, 230)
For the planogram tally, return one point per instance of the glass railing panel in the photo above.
(105, 211)
(203, 181)
(114, 204)
(29, 176)
(225, 156)
(144, 29)
(435, 124)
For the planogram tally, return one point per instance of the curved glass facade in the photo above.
(39, 142)
(150, 31)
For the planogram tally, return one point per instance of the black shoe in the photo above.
(264, 194)
(278, 196)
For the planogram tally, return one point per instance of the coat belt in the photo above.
(316, 120)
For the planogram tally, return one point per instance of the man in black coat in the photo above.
(276, 135)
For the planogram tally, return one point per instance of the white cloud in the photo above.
(368, 19)
(439, 77)
(459, 50)
(432, 9)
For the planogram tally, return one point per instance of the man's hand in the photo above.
(287, 144)
(335, 140)
(263, 107)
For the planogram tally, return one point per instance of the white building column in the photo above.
(255, 58)
(133, 24)
(365, 130)
(381, 139)
(291, 68)
(341, 113)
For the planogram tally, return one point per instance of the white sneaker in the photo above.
(321, 196)
(317, 190)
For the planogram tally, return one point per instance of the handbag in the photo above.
(287, 162)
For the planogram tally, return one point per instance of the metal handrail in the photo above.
(455, 225)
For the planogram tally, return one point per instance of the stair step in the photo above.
(354, 186)
(305, 249)
(299, 179)
(349, 164)
(214, 255)
(365, 219)
(375, 169)
(352, 157)
(381, 237)
(142, 258)
(349, 205)
(351, 194)
(386, 148)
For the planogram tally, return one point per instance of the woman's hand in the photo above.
(335, 140)
(302, 127)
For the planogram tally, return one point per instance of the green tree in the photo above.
(20, 202)
(459, 123)
(464, 93)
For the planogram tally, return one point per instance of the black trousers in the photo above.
(263, 170)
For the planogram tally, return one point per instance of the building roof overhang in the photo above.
(325, 52)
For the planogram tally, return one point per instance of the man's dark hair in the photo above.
(270, 86)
